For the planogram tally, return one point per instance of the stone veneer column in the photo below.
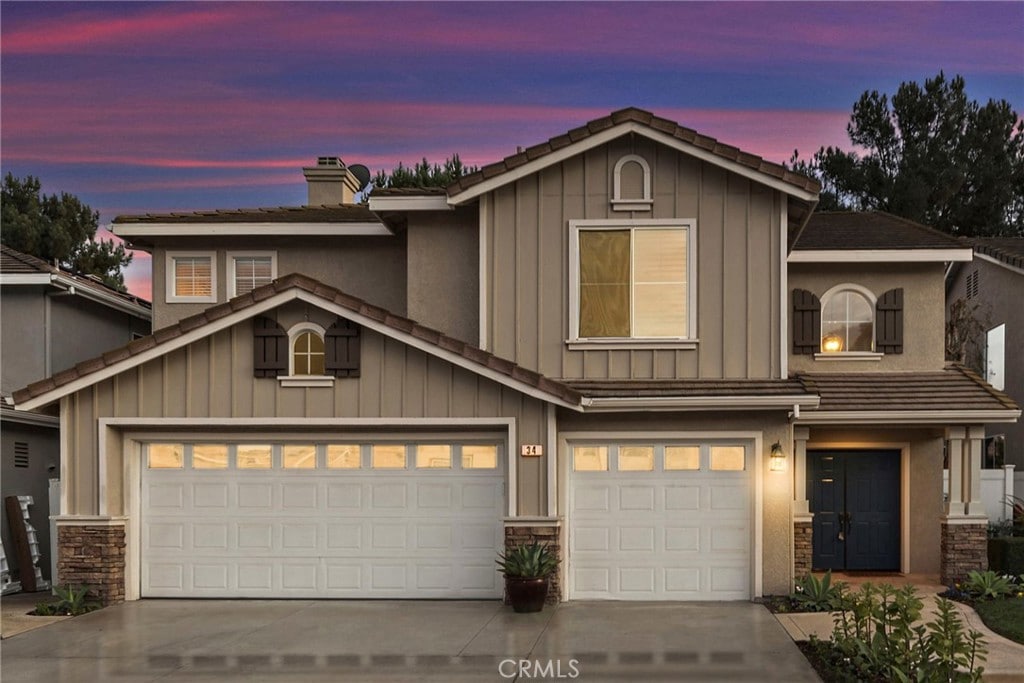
(91, 552)
(964, 548)
(548, 533)
(803, 534)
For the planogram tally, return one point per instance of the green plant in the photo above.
(986, 585)
(817, 595)
(531, 561)
(876, 638)
(1006, 554)
(71, 600)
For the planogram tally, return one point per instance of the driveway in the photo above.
(307, 640)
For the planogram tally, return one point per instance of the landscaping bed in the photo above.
(997, 598)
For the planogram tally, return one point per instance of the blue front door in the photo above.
(855, 498)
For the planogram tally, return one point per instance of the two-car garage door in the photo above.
(322, 518)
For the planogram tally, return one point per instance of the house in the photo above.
(992, 285)
(52, 319)
(631, 341)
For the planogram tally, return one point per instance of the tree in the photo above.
(424, 174)
(59, 229)
(932, 155)
(965, 326)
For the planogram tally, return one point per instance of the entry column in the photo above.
(803, 533)
(964, 544)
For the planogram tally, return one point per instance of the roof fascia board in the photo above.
(81, 288)
(414, 203)
(698, 402)
(265, 305)
(427, 347)
(998, 262)
(609, 134)
(34, 419)
(365, 228)
(879, 255)
(908, 416)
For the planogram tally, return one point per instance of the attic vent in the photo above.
(972, 285)
(20, 454)
(328, 161)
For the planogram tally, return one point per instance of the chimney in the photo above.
(330, 182)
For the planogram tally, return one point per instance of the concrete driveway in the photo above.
(307, 640)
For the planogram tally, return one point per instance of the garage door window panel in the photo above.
(682, 458)
(590, 458)
(433, 456)
(728, 458)
(209, 457)
(299, 456)
(479, 457)
(387, 457)
(163, 456)
(344, 456)
(254, 456)
(636, 458)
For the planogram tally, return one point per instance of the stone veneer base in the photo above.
(803, 538)
(964, 548)
(549, 535)
(92, 556)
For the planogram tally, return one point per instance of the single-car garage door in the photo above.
(322, 518)
(665, 521)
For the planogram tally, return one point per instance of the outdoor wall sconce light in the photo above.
(832, 344)
(777, 460)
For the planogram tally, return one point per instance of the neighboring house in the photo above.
(631, 341)
(52, 319)
(993, 286)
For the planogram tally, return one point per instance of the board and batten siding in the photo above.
(526, 230)
(213, 377)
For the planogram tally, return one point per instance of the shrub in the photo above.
(531, 561)
(1006, 554)
(987, 585)
(875, 638)
(71, 600)
(817, 595)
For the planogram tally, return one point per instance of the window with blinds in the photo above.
(251, 272)
(634, 282)
(192, 277)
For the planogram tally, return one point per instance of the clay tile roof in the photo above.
(955, 388)
(646, 118)
(14, 262)
(869, 230)
(336, 213)
(399, 323)
(407, 191)
(1009, 250)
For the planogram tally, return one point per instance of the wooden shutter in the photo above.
(341, 349)
(270, 348)
(889, 322)
(806, 322)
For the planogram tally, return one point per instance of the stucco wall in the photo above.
(443, 272)
(737, 278)
(23, 336)
(85, 329)
(923, 312)
(43, 453)
(371, 268)
(213, 377)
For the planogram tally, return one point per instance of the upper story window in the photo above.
(247, 271)
(307, 350)
(632, 281)
(847, 320)
(191, 277)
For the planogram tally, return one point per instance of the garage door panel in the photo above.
(299, 496)
(210, 576)
(210, 536)
(255, 535)
(434, 496)
(255, 496)
(639, 539)
(433, 536)
(682, 580)
(637, 498)
(169, 536)
(682, 497)
(344, 496)
(166, 496)
(590, 497)
(296, 576)
(682, 539)
(393, 496)
(344, 577)
(299, 536)
(344, 536)
(480, 537)
(210, 496)
(480, 496)
(255, 578)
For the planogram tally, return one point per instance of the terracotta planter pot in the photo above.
(526, 595)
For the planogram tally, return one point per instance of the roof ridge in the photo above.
(916, 224)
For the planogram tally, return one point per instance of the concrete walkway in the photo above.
(14, 609)
(1005, 659)
(304, 640)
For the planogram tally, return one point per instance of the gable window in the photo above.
(631, 281)
(191, 277)
(631, 184)
(250, 270)
(307, 350)
(847, 321)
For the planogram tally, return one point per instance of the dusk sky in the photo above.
(154, 107)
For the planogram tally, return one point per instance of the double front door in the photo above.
(855, 498)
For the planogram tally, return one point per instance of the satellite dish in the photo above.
(361, 173)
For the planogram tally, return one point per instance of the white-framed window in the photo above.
(847, 320)
(995, 357)
(249, 270)
(306, 355)
(631, 184)
(632, 281)
(191, 277)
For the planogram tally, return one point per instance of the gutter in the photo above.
(655, 403)
(73, 287)
(905, 416)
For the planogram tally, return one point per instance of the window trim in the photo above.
(170, 294)
(293, 380)
(873, 305)
(575, 227)
(233, 255)
(620, 203)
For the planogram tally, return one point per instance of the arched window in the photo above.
(306, 344)
(847, 320)
(631, 184)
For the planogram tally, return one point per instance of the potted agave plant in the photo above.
(527, 569)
